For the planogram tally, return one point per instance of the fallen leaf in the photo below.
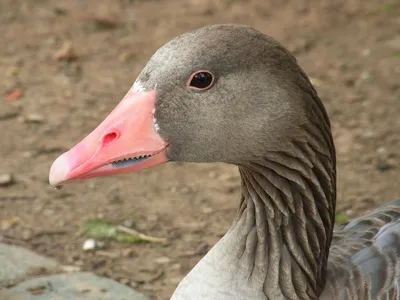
(14, 95)
(8, 222)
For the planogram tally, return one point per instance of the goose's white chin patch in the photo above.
(137, 87)
(155, 125)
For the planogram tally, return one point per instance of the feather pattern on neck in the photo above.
(288, 201)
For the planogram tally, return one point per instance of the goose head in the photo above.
(222, 93)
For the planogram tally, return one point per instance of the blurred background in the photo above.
(64, 65)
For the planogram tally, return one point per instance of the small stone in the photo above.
(366, 76)
(27, 154)
(162, 260)
(89, 244)
(381, 150)
(34, 118)
(366, 52)
(6, 179)
(70, 269)
(207, 210)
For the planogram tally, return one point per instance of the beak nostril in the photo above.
(109, 137)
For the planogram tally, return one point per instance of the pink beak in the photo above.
(126, 141)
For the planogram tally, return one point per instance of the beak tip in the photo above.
(59, 171)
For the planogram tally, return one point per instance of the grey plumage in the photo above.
(262, 114)
(364, 257)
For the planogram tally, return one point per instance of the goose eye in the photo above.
(201, 80)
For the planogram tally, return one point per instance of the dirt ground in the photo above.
(51, 96)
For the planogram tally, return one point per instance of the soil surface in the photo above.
(64, 65)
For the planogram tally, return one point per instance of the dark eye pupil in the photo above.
(201, 80)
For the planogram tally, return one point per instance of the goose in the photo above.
(229, 93)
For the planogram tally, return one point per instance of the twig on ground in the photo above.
(141, 235)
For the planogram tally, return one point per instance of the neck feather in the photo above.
(287, 216)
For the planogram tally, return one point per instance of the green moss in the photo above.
(98, 228)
